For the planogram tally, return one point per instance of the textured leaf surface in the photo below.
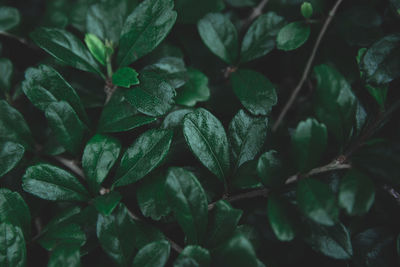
(12, 246)
(125, 77)
(292, 36)
(10, 154)
(195, 89)
(155, 254)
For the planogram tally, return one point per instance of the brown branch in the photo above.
(71, 164)
(308, 66)
(257, 11)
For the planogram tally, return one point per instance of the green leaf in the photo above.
(44, 85)
(9, 18)
(115, 233)
(107, 203)
(120, 116)
(144, 30)
(222, 223)
(246, 176)
(151, 197)
(247, 135)
(146, 234)
(379, 94)
(241, 3)
(309, 142)
(143, 156)
(306, 10)
(333, 241)
(259, 39)
(174, 119)
(200, 255)
(13, 126)
(356, 193)
(171, 69)
(10, 154)
(317, 201)
(67, 127)
(269, 169)
(280, 218)
(12, 246)
(190, 11)
(153, 96)
(125, 77)
(52, 183)
(65, 255)
(155, 254)
(335, 102)
(14, 210)
(70, 233)
(195, 89)
(292, 36)
(207, 139)
(220, 36)
(6, 71)
(99, 156)
(96, 48)
(188, 201)
(381, 61)
(255, 92)
(67, 48)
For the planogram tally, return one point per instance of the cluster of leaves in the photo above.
(116, 149)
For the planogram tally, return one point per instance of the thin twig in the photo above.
(71, 164)
(307, 69)
(257, 11)
(19, 39)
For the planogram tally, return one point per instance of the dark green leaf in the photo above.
(220, 36)
(222, 223)
(171, 69)
(306, 10)
(65, 255)
(125, 77)
(317, 201)
(280, 218)
(67, 234)
(356, 193)
(241, 3)
(309, 142)
(246, 176)
(260, 37)
(292, 36)
(190, 11)
(9, 18)
(67, 48)
(144, 30)
(67, 127)
(200, 255)
(6, 71)
(143, 156)
(146, 234)
(185, 262)
(96, 48)
(195, 89)
(106, 204)
(255, 92)
(269, 169)
(247, 135)
(153, 96)
(175, 118)
(52, 183)
(155, 254)
(188, 201)
(12, 246)
(207, 139)
(99, 156)
(10, 154)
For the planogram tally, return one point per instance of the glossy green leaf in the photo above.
(280, 218)
(220, 36)
(335, 104)
(175, 119)
(9, 18)
(52, 183)
(190, 11)
(12, 246)
(116, 233)
(69, 233)
(247, 135)
(96, 48)
(44, 85)
(146, 234)
(10, 154)
(246, 176)
(309, 142)
(188, 201)
(125, 77)
(317, 201)
(200, 255)
(306, 10)
(195, 89)
(259, 39)
(6, 71)
(293, 35)
(14, 210)
(171, 69)
(155, 254)
(67, 48)
(144, 30)
(356, 193)
(107, 203)
(120, 116)
(67, 127)
(151, 197)
(153, 96)
(269, 169)
(222, 223)
(185, 261)
(99, 156)
(143, 156)
(65, 255)
(207, 139)
(13, 126)
(255, 92)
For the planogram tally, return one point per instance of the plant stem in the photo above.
(307, 69)
(71, 164)
(257, 11)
